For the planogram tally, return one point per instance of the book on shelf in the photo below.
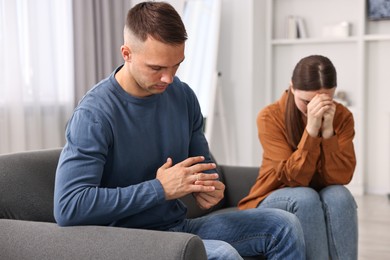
(296, 27)
(292, 30)
(301, 27)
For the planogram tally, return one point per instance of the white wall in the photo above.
(377, 170)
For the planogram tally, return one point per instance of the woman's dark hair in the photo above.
(157, 19)
(311, 73)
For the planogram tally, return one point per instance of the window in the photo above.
(36, 73)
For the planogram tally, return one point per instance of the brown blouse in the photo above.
(316, 163)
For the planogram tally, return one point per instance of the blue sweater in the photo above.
(115, 143)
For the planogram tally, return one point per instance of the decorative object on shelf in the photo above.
(378, 10)
(339, 30)
(341, 97)
(296, 27)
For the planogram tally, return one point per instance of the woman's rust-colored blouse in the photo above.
(316, 163)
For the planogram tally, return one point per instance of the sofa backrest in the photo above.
(27, 185)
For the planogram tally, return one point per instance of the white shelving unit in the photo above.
(355, 57)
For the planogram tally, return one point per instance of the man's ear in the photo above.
(126, 53)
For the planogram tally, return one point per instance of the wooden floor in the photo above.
(374, 227)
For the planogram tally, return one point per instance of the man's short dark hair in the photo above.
(158, 20)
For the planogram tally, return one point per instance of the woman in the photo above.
(308, 156)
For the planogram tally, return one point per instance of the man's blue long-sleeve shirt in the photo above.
(115, 143)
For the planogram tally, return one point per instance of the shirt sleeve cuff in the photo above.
(159, 190)
(331, 144)
(309, 143)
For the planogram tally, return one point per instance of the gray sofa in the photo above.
(28, 229)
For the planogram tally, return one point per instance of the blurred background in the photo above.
(239, 58)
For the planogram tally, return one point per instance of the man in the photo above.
(135, 146)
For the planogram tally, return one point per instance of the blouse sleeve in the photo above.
(338, 159)
(293, 168)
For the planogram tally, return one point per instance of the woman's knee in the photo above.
(338, 196)
(294, 199)
(307, 196)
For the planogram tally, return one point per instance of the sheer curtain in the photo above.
(199, 69)
(98, 36)
(36, 73)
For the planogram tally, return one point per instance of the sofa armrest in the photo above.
(238, 181)
(27, 184)
(39, 240)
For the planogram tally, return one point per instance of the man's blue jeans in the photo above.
(274, 233)
(328, 219)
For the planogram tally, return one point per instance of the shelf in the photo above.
(377, 37)
(354, 39)
(313, 41)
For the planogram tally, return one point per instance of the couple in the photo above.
(135, 146)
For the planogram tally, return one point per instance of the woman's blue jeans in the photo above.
(328, 219)
(274, 233)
